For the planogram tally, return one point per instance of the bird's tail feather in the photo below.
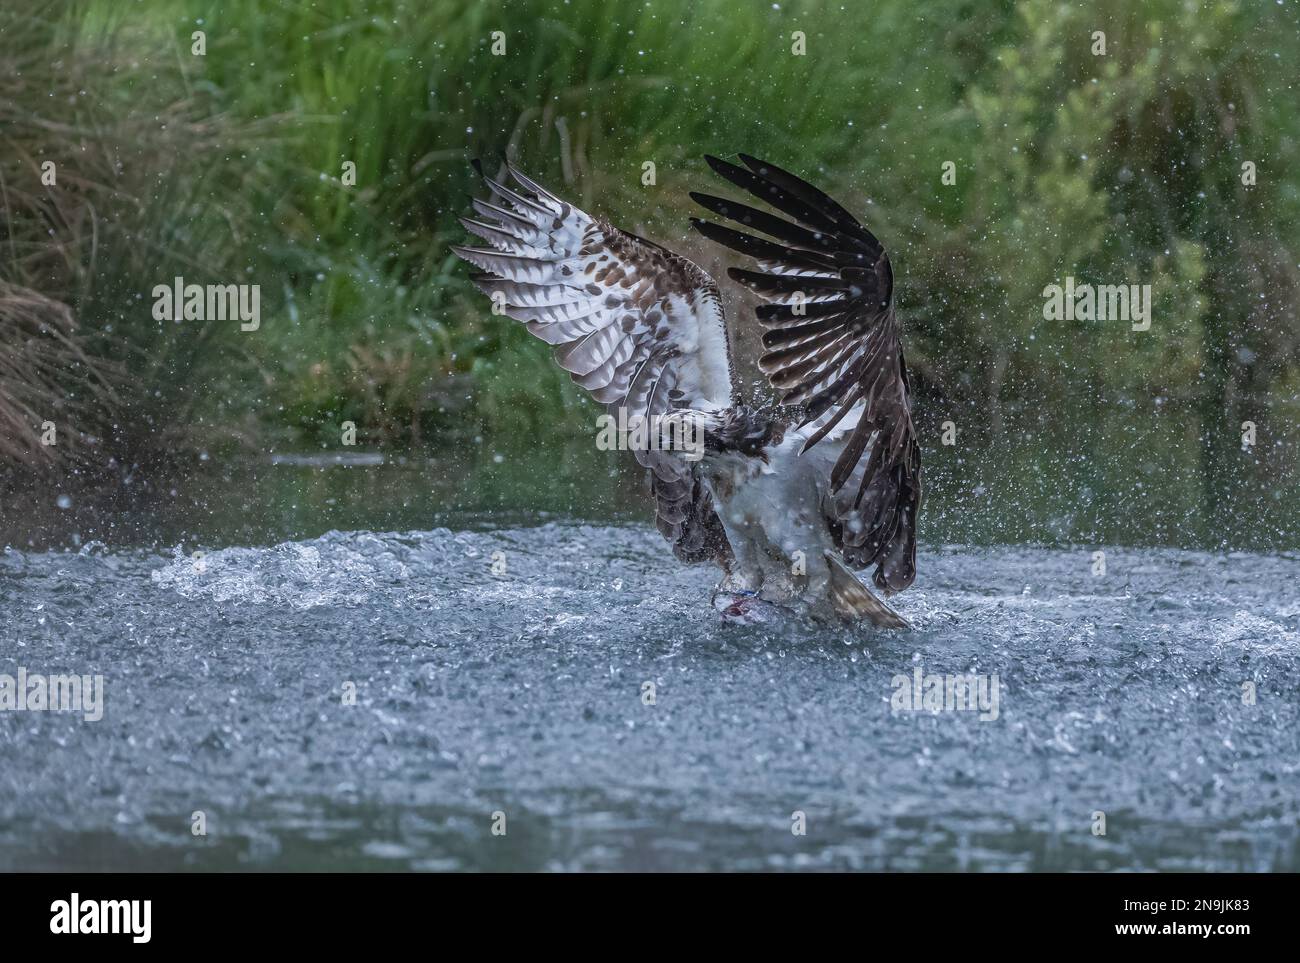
(853, 600)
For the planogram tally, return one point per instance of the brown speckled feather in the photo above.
(636, 325)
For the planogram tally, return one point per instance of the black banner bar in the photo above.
(332, 911)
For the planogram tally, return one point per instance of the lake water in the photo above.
(499, 674)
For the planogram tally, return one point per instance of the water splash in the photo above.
(506, 669)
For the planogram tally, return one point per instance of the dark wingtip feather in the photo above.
(725, 167)
(710, 230)
(818, 200)
(728, 170)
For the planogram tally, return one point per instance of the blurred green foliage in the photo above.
(1116, 168)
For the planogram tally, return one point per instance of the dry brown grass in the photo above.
(40, 361)
(76, 255)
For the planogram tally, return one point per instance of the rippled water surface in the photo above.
(504, 670)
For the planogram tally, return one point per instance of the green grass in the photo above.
(229, 167)
(410, 92)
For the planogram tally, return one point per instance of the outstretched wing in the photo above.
(832, 348)
(638, 326)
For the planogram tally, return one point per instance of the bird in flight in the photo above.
(789, 500)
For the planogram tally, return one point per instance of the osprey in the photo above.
(789, 499)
